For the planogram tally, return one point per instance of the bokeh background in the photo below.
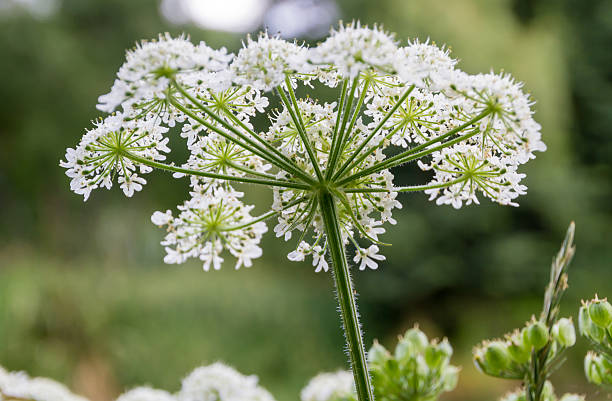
(85, 297)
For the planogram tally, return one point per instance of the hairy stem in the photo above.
(346, 297)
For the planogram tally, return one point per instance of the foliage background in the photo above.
(85, 299)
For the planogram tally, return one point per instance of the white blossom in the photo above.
(263, 63)
(20, 386)
(101, 154)
(353, 48)
(219, 382)
(368, 257)
(330, 387)
(207, 224)
(146, 394)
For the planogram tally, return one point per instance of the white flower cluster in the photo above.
(330, 387)
(396, 104)
(99, 157)
(19, 386)
(216, 382)
(208, 223)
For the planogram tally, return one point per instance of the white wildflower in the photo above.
(368, 257)
(353, 48)
(219, 382)
(17, 385)
(263, 63)
(207, 224)
(105, 151)
(146, 394)
(330, 387)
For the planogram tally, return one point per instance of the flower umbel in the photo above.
(330, 164)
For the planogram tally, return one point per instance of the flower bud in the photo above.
(518, 352)
(414, 341)
(446, 348)
(450, 377)
(600, 312)
(496, 356)
(434, 356)
(583, 320)
(535, 335)
(592, 369)
(563, 331)
(377, 354)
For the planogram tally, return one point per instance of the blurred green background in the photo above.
(86, 299)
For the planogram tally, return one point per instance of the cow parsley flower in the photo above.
(249, 121)
(219, 382)
(146, 394)
(353, 48)
(329, 387)
(19, 386)
(108, 151)
(207, 224)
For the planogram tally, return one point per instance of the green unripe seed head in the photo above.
(496, 356)
(518, 353)
(564, 332)
(377, 354)
(600, 312)
(535, 335)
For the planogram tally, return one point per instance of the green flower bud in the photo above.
(377, 354)
(583, 320)
(433, 356)
(563, 331)
(446, 348)
(450, 377)
(548, 392)
(496, 356)
(518, 353)
(417, 338)
(600, 312)
(535, 335)
(592, 370)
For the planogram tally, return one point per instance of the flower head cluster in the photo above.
(511, 358)
(595, 323)
(417, 369)
(395, 104)
(330, 387)
(19, 386)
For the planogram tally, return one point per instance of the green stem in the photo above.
(354, 160)
(267, 152)
(414, 188)
(412, 154)
(246, 180)
(346, 111)
(296, 116)
(346, 297)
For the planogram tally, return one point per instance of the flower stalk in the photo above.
(346, 297)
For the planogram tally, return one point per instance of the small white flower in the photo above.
(146, 394)
(368, 257)
(318, 259)
(353, 48)
(19, 386)
(219, 382)
(329, 387)
(103, 152)
(208, 223)
(263, 63)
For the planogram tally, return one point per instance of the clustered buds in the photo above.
(418, 369)
(548, 394)
(510, 358)
(595, 323)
